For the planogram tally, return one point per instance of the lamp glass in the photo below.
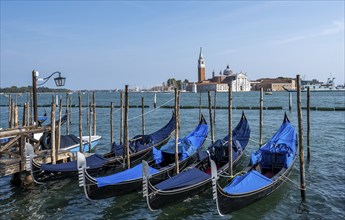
(60, 81)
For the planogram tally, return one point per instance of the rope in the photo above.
(295, 184)
(284, 179)
(77, 111)
(106, 113)
(150, 110)
(231, 177)
(257, 142)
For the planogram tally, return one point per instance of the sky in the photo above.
(108, 44)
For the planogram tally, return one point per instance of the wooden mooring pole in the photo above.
(214, 107)
(88, 119)
(11, 125)
(308, 123)
(9, 113)
(67, 114)
(200, 107)
(210, 113)
(80, 125)
(126, 142)
(177, 120)
(58, 136)
(94, 114)
(25, 114)
(261, 108)
(155, 101)
(121, 116)
(300, 139)
(290, 101)
(230, 127)
(142, 116)
(111, 123)
(90, 126)
(52, 137)
(31, 109)
(70, 109)
(16, 121)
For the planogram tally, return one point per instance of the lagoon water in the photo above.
(325, 175)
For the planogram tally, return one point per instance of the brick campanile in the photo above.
(201, 67)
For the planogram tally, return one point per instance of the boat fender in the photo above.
(45, 141)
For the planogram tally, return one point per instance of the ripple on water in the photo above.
(325, 175)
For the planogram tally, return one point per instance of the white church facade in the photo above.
(219, 83)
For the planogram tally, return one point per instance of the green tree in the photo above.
(179, 84)
(171, 82)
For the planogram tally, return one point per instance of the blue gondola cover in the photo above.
(132, 173)
(277, 153)
(194, 140)
(187, 146)
(142, 142)
(250, 181)
(280, 149)
(184, 179)
(93, 161)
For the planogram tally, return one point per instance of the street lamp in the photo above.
(59, 81)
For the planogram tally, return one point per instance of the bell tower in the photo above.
(201, 67)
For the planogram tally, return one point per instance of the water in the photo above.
(325, 176)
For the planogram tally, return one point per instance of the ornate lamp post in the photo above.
(59, 81)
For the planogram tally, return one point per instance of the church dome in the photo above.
(227, 71)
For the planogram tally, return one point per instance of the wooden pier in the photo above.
(12, 153)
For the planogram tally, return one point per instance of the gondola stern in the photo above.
(146, 182)
(145, 170)
(81, 163)
(286, 119)
(214, 177)
(30, 164)
(202, 119)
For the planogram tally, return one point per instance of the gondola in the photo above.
(140, 148)
(70, 142)
(268, 169)
(197, 178)
(161, 166)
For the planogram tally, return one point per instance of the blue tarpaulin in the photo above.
(142, 142)
(93, 161)
(217, 150)
(130, 174)
(195, 138)
(252, 180)
(277, 153)
(279, 149)
(184, 179)
(187, 146)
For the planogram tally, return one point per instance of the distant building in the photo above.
(219, 82)
(201, 67)
(274, 84)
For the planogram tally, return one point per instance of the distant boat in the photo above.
(268, 93)
(316, 86)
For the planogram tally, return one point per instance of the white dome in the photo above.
(227, 71)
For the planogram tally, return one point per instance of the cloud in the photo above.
(337, 27)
